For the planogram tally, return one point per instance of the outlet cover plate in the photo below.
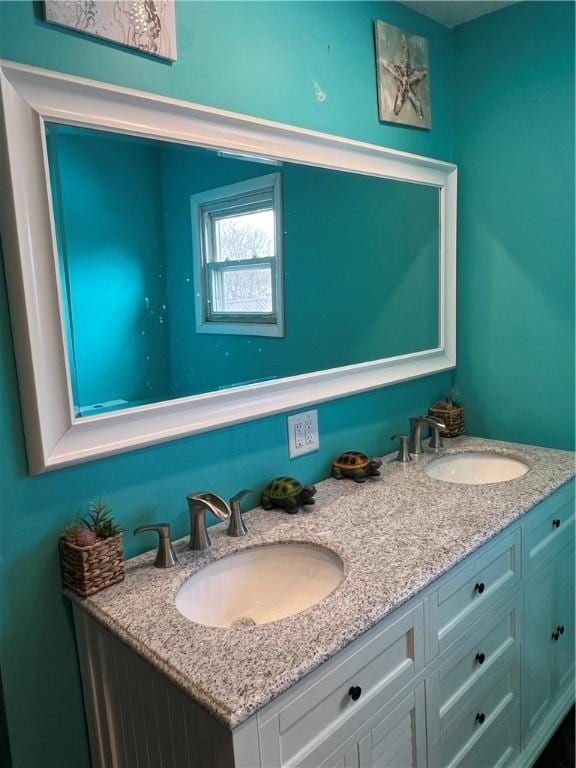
(303, 433)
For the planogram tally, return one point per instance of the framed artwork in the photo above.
(146, 25)
(403, 76)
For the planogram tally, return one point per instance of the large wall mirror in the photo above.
(174, 268)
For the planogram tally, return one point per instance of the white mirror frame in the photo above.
(54, 437)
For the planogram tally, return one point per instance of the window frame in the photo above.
(242, 196)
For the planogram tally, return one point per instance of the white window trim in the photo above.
(197, 202)
(54, 436)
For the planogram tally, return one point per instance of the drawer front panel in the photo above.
(321, 704)
(459, 602)
(494, 701)
(390, 739)
(498, 747)
(549, 528)
(494, 644)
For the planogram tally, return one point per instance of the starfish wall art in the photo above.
(403, 76)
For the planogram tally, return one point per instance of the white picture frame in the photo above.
(54, 436)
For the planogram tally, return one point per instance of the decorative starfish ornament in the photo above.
(406, 79)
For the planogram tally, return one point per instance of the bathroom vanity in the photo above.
(449, 641)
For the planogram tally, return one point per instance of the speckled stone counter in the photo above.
(395, 536)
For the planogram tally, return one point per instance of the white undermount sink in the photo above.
(260, 585)
(473, 468)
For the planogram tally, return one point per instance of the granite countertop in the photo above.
(395, 535)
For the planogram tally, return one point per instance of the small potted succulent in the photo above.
(91, 555)
(451, 411)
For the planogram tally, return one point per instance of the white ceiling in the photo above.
(450, 13)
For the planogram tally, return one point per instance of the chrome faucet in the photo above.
(165, 555)
(403, 453)
(198, 504)
(435, 443)
(416, 424)
(237, 526)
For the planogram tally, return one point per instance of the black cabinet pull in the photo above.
(355, 692)
(480, 658)
(556, 523)
(555, 636)
(480, 717)
(561, 629)
(480, 587)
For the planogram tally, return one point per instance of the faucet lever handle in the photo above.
(237, 498)
(435, 443)
(165, 556)
(237, 526)
(403, 453)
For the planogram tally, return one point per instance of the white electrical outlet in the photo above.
(303, 433)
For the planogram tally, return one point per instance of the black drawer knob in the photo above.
(355, 692)
(556, 523)
(480, 717)
(480, 658)
(480, 587)
(561, 629)
(555, 636)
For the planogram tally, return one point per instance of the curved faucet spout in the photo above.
(416, 424)
(198, 504)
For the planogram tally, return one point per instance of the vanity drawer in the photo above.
(483, 652)
(549, 527)
(380, 664)
(490, 704)
(394, 737)
(477, 586)
(497, 746)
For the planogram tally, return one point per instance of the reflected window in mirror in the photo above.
(237, 235)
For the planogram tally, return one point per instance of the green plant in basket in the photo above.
(98, 525)
(91, 556)
(100, 521)
(453, 398)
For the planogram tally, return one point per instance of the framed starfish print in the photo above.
(403, 76)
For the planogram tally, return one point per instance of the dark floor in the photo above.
(560, 750)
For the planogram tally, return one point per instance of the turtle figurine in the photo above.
(287, 493)
(355, 465)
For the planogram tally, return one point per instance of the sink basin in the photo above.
(260, 585)
(475, 468)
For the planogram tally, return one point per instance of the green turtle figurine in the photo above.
(355, 465)
(287, 493)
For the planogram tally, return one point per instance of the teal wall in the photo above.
(257, 58)
(111, 243)
(514, 144)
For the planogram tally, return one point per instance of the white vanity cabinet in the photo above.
(344, 708)
(475, 670)
(549, 638)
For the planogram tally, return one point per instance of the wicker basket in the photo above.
(87, 570)
(452, 415)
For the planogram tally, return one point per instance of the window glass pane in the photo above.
(242, 290)
(245, 236)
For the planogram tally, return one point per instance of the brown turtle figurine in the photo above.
(287, 493)
(355, 465)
